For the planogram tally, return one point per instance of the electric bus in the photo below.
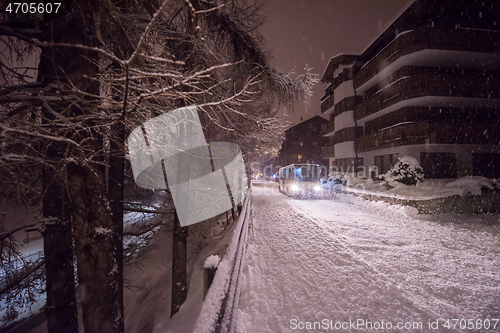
(300, 180)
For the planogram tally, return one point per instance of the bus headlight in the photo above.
(295, 187)
(317, 188)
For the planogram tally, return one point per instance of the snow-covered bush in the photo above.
(472, 185)
(407, 171)
(335, 181)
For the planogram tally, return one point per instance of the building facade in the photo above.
(303, 143)
(427, 87)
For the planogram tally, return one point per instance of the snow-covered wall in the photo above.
(345, 89)
(343, 120)
(344, 150)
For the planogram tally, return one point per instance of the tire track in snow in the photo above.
(448, 269)
(297, 270)
(345, 246)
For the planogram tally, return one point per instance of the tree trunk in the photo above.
(115, 198)
(96, 242)
(61, 311)
(179, 261)
(58, 247)
(96, 252)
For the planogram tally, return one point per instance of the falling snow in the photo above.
(348, 258)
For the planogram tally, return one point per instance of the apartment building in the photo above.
(303, 143)
(427, 87)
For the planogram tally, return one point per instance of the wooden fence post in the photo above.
(209, 270)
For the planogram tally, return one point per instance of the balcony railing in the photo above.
(477, 134)
(327, 129)
(328, 151)
(343, 76)
(346, 104)
(426, 133)
(428, 38)
(327, 103)
(427, 85)
(407, 134)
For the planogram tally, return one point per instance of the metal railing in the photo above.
(428, 38)
(328, 151)
(327, 103)
(413, 133)
(426, 84)
(219, 310)
(328, 128)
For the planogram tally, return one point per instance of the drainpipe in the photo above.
(355, 151)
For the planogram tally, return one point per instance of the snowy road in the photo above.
(339, 265)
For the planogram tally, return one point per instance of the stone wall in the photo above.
(488, 202)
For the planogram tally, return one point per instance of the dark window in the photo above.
(439, 165)
(486, 165)
(385, 162)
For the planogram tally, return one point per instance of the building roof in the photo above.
(391, 22)
(346, 59)
(314, 119)
(334, 63)
(439, 14)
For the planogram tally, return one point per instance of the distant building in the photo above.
(303, 143)
(428, 87)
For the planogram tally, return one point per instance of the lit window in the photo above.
(299, 157)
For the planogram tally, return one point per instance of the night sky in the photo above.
(312, 31)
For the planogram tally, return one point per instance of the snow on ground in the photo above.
(32, 248)
(350, 259)
(147, 286)
(147, 294)
(428, 189)
(13, 216)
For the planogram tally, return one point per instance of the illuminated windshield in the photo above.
(306, 172)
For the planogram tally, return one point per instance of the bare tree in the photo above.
(109, 69)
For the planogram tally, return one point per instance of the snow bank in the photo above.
(472, 185)
(426, 190)
(148, 291)
(212, 261)
(225, 273)
(381, 207)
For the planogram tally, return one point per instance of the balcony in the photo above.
(479, 41)
(327, 129)
(431, 133)
(408, 134)
(343, 76)
(347, 134)
(346, 104)
(327, 105)
(328, 151)
(428, 85)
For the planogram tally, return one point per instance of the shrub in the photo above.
(407, 171)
